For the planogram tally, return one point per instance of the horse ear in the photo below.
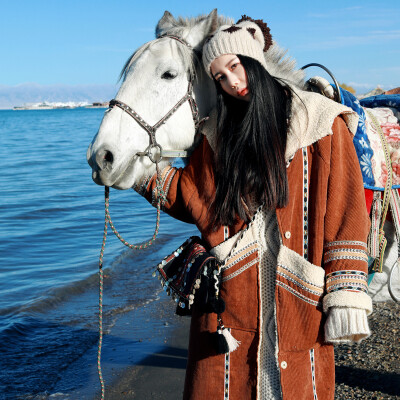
(204, 28)
(166, 22)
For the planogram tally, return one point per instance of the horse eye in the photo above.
(169, 74)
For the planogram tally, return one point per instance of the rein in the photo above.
(153, 145)
(108, 221)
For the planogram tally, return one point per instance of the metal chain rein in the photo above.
(107, 220)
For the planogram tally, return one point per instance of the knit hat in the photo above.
(247, 37)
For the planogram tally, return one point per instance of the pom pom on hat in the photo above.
(264, 29)
(247, 37)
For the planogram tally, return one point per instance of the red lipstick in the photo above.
(243, 92)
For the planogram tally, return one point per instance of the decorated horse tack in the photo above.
(151, 129)
(377, 144)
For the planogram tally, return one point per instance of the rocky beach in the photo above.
(371, 369)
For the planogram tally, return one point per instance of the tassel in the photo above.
(225, 342)
(221, 344)
(233, 344)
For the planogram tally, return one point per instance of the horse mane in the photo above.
(283, 67)
(183, 24)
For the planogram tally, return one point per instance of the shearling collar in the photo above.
(312, 119)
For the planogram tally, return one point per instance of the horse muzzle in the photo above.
(102, 164)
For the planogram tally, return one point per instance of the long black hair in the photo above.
(250, 167)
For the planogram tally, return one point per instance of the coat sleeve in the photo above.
(181, 185)
(347, 224)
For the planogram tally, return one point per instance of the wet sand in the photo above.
(159, 376)
(144, 355)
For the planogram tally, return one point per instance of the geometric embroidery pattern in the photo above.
(226, 380)
(346, 253)
(302, 283)
(240, 255)
(305, 203)
(141, 187)
(166, 178)
(299, 295)
(346, 243)
(312, 359)
(240, 270)
(355, 281)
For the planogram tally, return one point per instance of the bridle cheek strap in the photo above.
(151, 130)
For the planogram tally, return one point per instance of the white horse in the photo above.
(155, 78)
(165, 94)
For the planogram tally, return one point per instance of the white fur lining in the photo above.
(312, 119)
(345, 298)
(301, 267)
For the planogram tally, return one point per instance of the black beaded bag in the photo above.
(191, 275)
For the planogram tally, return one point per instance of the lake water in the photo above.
(52, 218)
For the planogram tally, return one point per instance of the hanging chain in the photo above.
(108, 221)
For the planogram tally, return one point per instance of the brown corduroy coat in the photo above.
(321, 264)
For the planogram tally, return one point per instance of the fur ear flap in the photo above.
(166, 22)
(203, 29)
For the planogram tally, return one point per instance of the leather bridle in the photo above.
(151, 129)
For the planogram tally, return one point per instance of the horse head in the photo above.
(163, 86)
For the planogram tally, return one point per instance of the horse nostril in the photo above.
(108, 156)
(104, 159)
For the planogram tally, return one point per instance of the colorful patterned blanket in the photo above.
(385, 109)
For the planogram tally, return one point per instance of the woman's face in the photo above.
(231, 75)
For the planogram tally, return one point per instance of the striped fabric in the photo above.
(355, 281)
(345, 254)
(240, 261)
(297, 285)
(240, 255)
(349, 254)
(345, 250)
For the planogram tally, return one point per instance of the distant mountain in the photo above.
(18, 95)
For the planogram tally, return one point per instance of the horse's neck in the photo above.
(204, 92)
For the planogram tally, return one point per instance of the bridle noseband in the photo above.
(151, 130)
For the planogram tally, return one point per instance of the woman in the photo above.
(276, 192)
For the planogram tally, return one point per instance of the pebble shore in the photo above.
(371, 369)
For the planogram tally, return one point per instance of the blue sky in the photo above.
(87, 42)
